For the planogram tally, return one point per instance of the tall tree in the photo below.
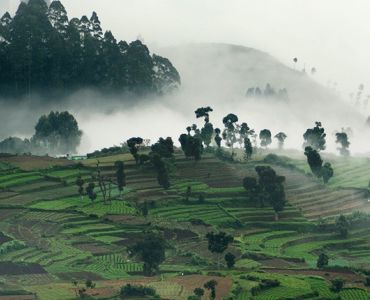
(151, 250)
(230, 132)
(45, 53)
(80, 183)
(120, 176)
(271, 188)
(342, 226)
(248, 148)
(90, 191)
(162, 171)
(218, 138)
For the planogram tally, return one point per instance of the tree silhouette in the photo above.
(248, 148)
(230, 260)
(133, 145)
(218, 138)
(314, 161)
(327, 172)
(218, 242)
(90, 191)
(342, 226)
(315, 137)
(322, 260)
(230, 131)
(57, 132)
(120, 176)
(80, 183)
(211, 285)
(281, 136)
(342, 139)
(151, 250)
(265, 137)
(271, 188)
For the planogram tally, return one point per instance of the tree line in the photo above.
(43, 51)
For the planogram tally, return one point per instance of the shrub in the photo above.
(323, 260)
(249, 277)
(265, 284)
(337, 284)
(367, 281)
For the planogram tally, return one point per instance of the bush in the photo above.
(337, 284)
(367, 281)
(137, 291)
(249, 277)
(265, 284)
(322, 261)
(269, 283)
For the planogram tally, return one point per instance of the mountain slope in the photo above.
(220, 75)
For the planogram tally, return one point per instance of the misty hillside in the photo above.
(228, 71)
(43, 51)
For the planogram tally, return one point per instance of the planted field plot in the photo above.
(210, 214)
(20, 180)
(114, 266)
(209, 170)
(316, 200)
(28, 162)
(306, 246)
(249, 215)
(110, 208)
(48, 192)
(61, 204)
(292, 287)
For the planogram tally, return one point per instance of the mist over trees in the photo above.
(342, 140)
(55, 133)
(43, 51)
(268, 93)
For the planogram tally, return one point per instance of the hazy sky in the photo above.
(332, 35)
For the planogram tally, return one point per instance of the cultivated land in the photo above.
(50, 237)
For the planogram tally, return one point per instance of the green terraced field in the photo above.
(69, 236)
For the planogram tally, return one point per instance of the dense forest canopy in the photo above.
(42, 51)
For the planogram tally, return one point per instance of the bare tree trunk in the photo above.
(110, 191)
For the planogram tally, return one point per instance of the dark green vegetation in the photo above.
(42, 51)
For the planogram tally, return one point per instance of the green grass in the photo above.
(61, 204)
(354, 294)
(115, 207)
(17, 181)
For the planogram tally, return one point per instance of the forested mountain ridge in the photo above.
(42, 51)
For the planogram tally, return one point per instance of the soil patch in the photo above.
(69, 276)
(9, 268)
